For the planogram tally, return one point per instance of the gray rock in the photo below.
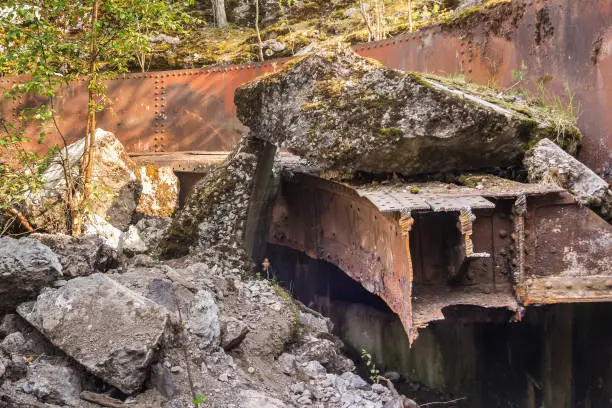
(130, 243)
(203, 219)
(2, 369)
(287, 363)
(203, 320)
(312, 369)
(14, 343)
(165, 39)
(327, 353)
(53, 383)
(80, 256)
(392, 376)
(161, 379)
(317, 324)
(273, 46)
(343, 112)
(257, 399)
(107, 328)
(355, 381)
(547, 162)
(151, 230)
(16, 368)
(233, 332)
(26, 266)
(117, 188)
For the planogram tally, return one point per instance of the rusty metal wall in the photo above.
(561, 40)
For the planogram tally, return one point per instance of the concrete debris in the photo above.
(547, 162)
(80, 256)
(96, 225)
(117, 188)
(107, 328)
(26, 266)
(203, 320)
(216, 210)
(160, 191)
(130, 243)
(233, 332)
(347, 113)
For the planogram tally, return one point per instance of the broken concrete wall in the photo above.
(344, 112)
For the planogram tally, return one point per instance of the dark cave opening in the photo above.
(557, 356)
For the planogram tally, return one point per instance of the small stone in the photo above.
(223, 377)
(251, 370)
(176, 369)
(355, 381)
(297, 388)
(13, 343)
(287, 363)
(313, 369)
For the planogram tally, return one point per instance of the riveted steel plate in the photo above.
(386, 200)
(442, 203)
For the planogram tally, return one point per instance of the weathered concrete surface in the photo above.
(80, 256)
(344, 112)
(160, 191)
(112, 331)
(547, 162)
(216, 210)
(116, 190)
(26, 266)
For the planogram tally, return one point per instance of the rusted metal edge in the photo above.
(567, 289)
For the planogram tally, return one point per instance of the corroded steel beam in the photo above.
(331, 222)
(555, 40)
(454, 256)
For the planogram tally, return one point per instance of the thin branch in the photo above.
(443, 403)
(20, 217)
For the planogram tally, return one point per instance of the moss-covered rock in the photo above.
(348, 113)
(216, 210)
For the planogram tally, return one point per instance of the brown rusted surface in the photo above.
(569, 253)
(455, 258)
(331, 222)
(555, 40)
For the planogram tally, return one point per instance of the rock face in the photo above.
(547, 162)
(112, 331)
(215, 212)
(160, 191)
(116, 188)
(26, 266)
(344, 112)
(80, 256)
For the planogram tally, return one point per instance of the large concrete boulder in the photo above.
(80, 256)
(26, 266)
(112, 331)
(547, 162)
(121, 187)
(344, 112)
(116, 188)
(215, 213)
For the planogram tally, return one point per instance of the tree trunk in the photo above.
(219, 13)
(87, 160)
(259, 42)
